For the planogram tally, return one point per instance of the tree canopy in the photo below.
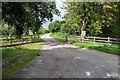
(96, 18)
(27, 15)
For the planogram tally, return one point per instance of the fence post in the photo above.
(22, 40)
(94, 39)
(82, 40)
(30, 38)
(10, 40)
(25, 40)
(108, 39)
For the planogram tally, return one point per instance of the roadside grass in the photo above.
(105, 48)
(58, 37)
(15, 58)
(112, 49)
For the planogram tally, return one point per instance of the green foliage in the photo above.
(7, 31)
(41, 31)
(54, 26)
(97, 18)
(26, 15)
(47, 31)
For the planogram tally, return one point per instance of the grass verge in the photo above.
(57, 37)
(15, 58)
(105, 48)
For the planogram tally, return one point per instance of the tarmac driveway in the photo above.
(59, 60)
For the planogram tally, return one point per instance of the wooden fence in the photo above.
(95, 39)
(13, 41)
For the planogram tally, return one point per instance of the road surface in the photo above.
(59, 60)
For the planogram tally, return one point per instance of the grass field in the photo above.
(104, 47)
(57, 37)
(15, 58)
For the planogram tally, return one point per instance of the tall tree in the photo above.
(97, 18)
(26, 15)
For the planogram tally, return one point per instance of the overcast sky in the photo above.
(58, 5)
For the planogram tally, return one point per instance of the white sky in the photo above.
(58, 5)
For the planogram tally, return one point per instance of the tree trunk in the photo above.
(66, 38)
(19, 31)
(84, 21)
(83, 28)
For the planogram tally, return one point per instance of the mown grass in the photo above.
(15, 58)
(105, 48)
(112, 49)
(58, 37)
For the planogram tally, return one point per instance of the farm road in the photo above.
(60, 60)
